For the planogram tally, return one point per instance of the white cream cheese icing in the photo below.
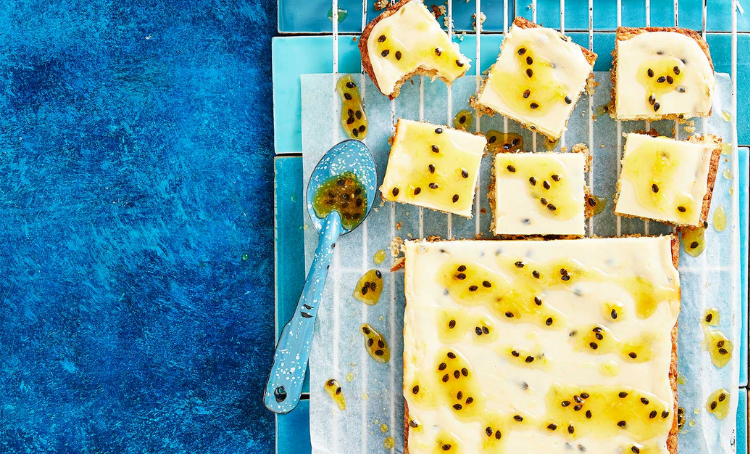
(447, 362)
(688, 78)
(523, 195)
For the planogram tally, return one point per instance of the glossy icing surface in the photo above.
(661, 73)
(433, 166)
(499, 342)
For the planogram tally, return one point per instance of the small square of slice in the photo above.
(405, 40)
(668, 180)
(433, 166)
(537, 79)
(661, 73)
(539, 194)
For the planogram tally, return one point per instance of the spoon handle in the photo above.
(284, 385)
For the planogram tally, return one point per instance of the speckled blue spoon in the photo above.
(284, 385)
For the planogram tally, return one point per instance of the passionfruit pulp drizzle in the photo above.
(368, 288)
(345, 194)
(353, 118)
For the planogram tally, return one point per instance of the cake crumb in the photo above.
(398, 225)
(381, 4)
(591, 84)
(482, 18)
(436, 11)
(396, 246)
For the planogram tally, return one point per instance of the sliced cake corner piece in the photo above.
(539, 194)
(537, 346)
(537, 79)
(406, 40)
(668, 180)
(661, 73)
(433, 166)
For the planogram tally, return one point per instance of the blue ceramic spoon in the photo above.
(284, 385)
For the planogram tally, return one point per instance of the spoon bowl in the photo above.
(347, 157)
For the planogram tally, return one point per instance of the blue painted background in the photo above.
(136, 298)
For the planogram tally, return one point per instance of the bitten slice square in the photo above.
(668, 180)
(661, 73)
(539, 194)
(405, 40)
(433, 166)
(537, 79)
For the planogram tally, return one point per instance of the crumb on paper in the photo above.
(396, 246)
(381, 4)
(410, 235)
(398, 226)
(591, 84)
(564, 149)
(483, 211)
(354, 39)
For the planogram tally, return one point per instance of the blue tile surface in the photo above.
(292, 57)
(289, 196)
(742, 427)
(744, 167)
(135, 226)
(293, 430)
(296, 16)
